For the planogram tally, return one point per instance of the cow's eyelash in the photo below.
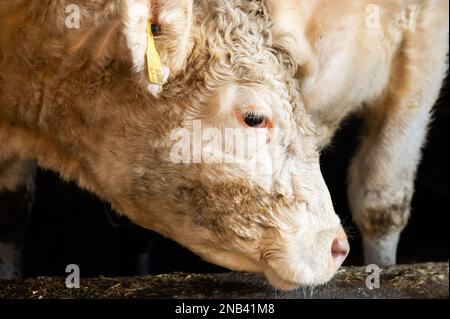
(254, 112)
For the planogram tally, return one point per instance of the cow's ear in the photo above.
(172, 21)
(174, 40)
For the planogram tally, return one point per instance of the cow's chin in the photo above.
(286, 280)
(278, 282)
(231, 261)
(279, 274)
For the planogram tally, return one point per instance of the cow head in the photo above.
(226, 160)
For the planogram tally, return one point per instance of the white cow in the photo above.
(384, 59)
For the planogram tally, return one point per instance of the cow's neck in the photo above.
(52, 88)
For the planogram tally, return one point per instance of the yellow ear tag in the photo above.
(153, 59)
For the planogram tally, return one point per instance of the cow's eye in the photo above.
(255, 120)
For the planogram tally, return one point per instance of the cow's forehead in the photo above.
(236, 38)
(234, 45)
(232, 27)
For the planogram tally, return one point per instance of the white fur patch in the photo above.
(137, 13)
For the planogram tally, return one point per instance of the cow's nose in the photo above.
(340, 249)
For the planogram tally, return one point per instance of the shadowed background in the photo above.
(71, 226)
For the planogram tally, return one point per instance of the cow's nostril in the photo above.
(339, 251)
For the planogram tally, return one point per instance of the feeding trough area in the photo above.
(427, 281)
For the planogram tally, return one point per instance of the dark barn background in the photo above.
(71, 226)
